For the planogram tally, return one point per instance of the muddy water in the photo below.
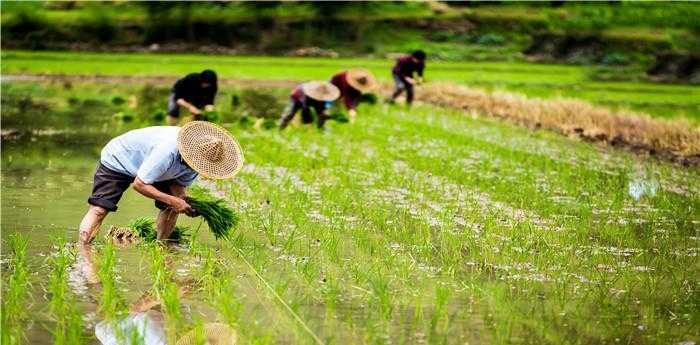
(46, 181)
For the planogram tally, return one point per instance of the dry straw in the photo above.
(675, 138)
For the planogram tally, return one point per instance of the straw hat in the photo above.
(361, 79)
(214, 333)
(209, 150)
(320, 90)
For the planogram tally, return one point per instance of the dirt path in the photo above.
(121, 79)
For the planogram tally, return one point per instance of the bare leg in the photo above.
(87, 264)
(288, 113)
(165, 223)
(91, 223)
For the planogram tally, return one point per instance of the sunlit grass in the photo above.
(430, 225)
(16, 291)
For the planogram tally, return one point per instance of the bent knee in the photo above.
(98, 211)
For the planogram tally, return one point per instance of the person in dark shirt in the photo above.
(315, 95)
(195, 92)
(403, 74)
(352, 84)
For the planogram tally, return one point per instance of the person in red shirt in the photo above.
(352, 84)
(403, 74)
(314, 94)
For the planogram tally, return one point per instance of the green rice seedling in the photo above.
(211, 116)
(220, 218)
(166, 291)
(68, 328)
(15, 292)
(112, 305)
(145, 228)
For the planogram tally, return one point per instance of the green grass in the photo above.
(417, 225)
(16, 295)
(537, 80)
(65, 314)
(111, 303)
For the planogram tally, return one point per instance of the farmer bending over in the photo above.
(195, 92)
(161, 162)
(403, 74)
(352, 84)
(314, 94)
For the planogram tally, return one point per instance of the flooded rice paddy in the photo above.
(409, 227)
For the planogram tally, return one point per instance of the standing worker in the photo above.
(195, 92)
(352, 84)
(313, 94)
(403, 74)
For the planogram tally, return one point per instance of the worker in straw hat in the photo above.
(403, 74)
(317, 95)
(160, 162)
(352, 84)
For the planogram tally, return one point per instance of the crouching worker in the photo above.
(352, 84)
(160, 162)
(318, 95)
(195, 92)
(403, 74)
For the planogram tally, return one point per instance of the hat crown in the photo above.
(212, 149)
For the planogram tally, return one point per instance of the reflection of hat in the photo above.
(320, 90)
(214, 334)
(209, 150)
(361, 79)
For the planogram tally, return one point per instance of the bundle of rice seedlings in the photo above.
(145, 228)
(220, 218)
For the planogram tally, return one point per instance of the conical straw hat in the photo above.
(214, 334)
(320, 90)
(361, 79)
(209, 150)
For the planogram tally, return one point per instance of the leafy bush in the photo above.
(615, 59)
(490, 39)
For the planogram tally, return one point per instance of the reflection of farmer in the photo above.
(161, 162)
(403, 74)
(314, 94)
(195, 92)
(352, 84)
(145, 319)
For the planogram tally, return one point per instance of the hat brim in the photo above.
(355, 74)
(218, 332)
(314, 89)
(193, 133)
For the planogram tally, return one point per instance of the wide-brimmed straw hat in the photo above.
(361, 79)
(321, 90)
(209, 150)
(214, 334)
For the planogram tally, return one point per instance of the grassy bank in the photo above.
(538, 80)
(625, 32)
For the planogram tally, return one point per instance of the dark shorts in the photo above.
(108, 186)
(173, 108)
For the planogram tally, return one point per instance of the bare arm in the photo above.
(177, 203)
(183, 103)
